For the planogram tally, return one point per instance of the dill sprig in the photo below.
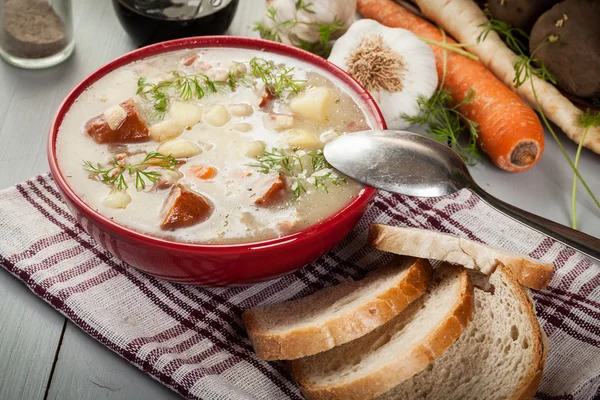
(113, 173)
(325, 31)
(526, 68)
(181, 85)
(279, 79)
(444, 122)
(295, 166)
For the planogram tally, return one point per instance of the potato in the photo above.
(167, 129)
(328, 136)
(168, 178)
(115, 116)
(520, 14)
(315, 104)
(283, 122)
(255, 148)
(241, 110)
(117, 199)
(217, 115)
(242, 127)
(573, 54)
(303, 139)
(179, 148)
(186, 114)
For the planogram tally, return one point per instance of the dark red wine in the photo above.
(152, 21)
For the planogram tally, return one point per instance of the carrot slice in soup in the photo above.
(203, 172)
(271, 190)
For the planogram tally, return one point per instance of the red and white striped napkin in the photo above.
(192, 338)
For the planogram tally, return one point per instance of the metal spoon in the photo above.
(414, 165)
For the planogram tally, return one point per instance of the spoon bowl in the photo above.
(414, 165)
(400, 162)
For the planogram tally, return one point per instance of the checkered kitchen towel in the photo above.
(192, 339)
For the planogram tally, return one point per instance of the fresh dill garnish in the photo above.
(526, 67)
(183, 86)
(279, 79)
(444, 122)
(448, 125)
(295, 166)
(114, 172)
(321, 48)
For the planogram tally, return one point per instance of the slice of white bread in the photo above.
(337, 314)
(440, 246)
(373, 364)
(499, 356)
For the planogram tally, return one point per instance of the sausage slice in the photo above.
(124, 125)
(184, 208)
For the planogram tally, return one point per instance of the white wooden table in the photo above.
(42, 355)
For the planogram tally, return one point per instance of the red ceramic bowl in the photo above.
(214, 264)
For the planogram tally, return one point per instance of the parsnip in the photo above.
(463, 20)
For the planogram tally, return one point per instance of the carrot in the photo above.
(204, 172)
(272, 190)
(509, 131)
(463, 19)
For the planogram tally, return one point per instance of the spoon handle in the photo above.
(586, 244)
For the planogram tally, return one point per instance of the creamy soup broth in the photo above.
(217, 143)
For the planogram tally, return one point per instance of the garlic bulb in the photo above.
(308, 24)
(394, 65)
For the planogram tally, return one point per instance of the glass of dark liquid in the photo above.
(152, 21)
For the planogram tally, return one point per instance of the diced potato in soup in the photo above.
(214, 146)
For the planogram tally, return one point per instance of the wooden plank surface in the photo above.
(86, 370)
(30, 331)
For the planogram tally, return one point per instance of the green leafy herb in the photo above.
(279, 79)
(526, 67)
(183, 86)
(455, 47)
(444, 122)
(587, 120)
(513, 37)
(114, 172)
(279, 28)
(295, 165)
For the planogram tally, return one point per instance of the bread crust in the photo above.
(440, 338)
(528, 272)
(532, 379)
(343, 328)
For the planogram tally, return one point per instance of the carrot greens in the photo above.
(445, 123)
(526, 68)
(587, 120)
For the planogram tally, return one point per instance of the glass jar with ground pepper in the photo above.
(35, 33)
